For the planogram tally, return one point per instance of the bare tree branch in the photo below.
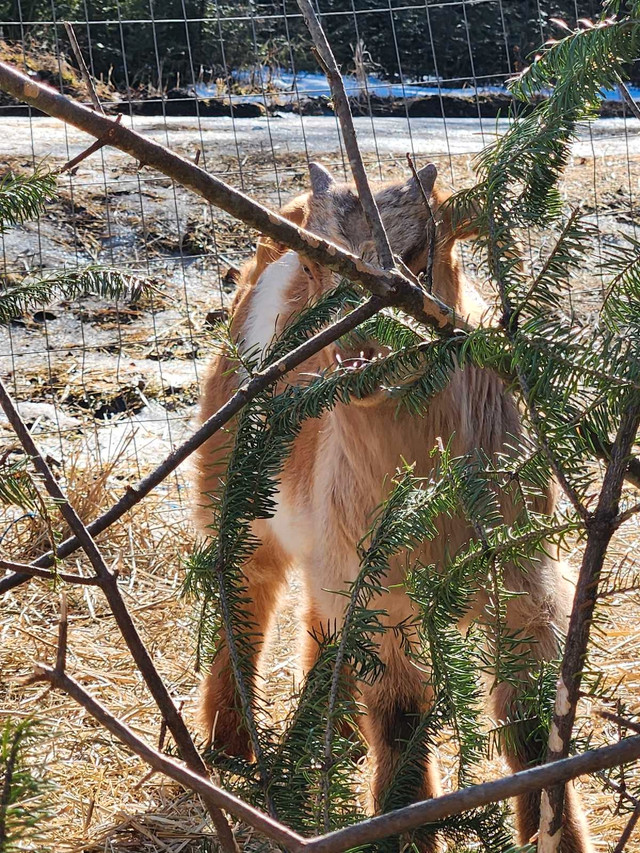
(34, 571)
(620, 721)
(209, 792)
(601, 525)
(343, 111)
(389, 284)
(72, 164)
(429, 811)
(367, 831)
(628, 830)
(626, 97)
(63, 634)
(125, 623)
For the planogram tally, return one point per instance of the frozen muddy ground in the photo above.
(315, 134)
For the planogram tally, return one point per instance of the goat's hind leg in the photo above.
(220, 710)
(539, 616)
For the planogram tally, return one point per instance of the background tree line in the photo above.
(146, 43)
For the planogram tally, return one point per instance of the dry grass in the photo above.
(104, 799)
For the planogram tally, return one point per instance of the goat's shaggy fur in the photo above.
(340, 469)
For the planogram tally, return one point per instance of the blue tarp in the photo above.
(285, 87)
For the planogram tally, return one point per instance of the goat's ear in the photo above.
(321, 179)
(427, 177)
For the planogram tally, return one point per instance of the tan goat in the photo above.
(339, 471)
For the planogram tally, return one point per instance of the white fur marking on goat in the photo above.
(289, 527)
(268, 302)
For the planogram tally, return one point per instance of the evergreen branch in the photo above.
(495, 251)
(299, 771)
(565, 255)
(17, 486)
(357, 619)
(232, 623)
(504, 544)
(623, 291)
(551, 457)
(581, 64)
(551, 349)
(16, 299)
(22, 792)
(24, 197)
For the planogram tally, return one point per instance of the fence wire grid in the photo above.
(108, 389)
(122, 380)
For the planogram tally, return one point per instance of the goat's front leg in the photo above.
(395, 703)
(220, 715)
(540, 616)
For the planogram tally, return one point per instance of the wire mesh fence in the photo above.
(236, 85)
(109, 388)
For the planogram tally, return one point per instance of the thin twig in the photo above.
(627, 514)
(84, 71)
(627, 98)
(342, 109)
(34, 571)
(433, 229)
(628, 830)
(63, 630)
(125, 623)
(620, 721)
(71, 165)
(614, 786)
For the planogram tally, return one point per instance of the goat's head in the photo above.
(334, 212)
